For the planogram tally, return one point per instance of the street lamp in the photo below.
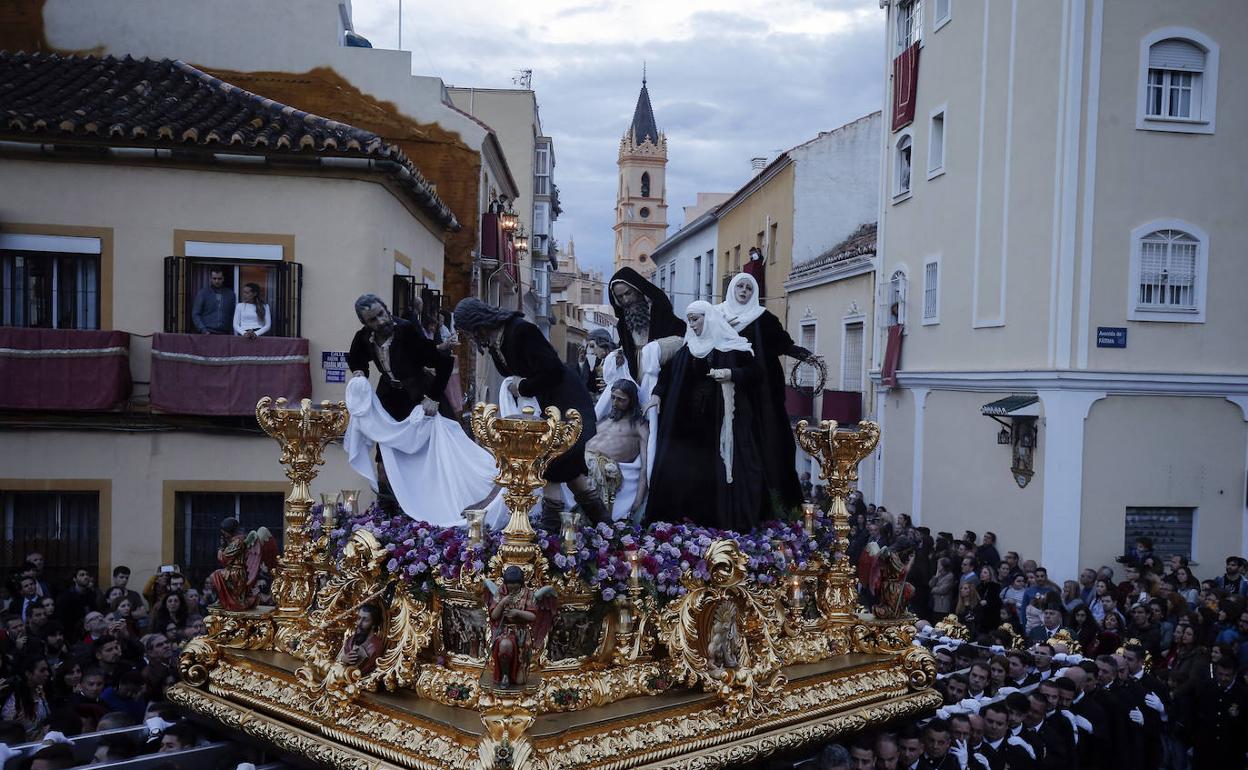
(509, 219)
(521, 240)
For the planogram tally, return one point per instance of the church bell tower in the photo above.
(641, 198)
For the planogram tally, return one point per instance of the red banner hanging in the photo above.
(72, 369)
(214, 374)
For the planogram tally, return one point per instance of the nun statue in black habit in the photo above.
(769, 341)
(707, 466)
(645, 314)
(519, 349)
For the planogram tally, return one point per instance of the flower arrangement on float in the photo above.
(421, 552)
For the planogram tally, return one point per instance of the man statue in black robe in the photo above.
(412, 373)
(518, 349)
(707, 465)
(644, 314)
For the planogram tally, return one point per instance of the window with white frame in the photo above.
(909, 24)
(541, 170)
(1168, 272)
(942, 12)
(931, 292)
(901, 166)
(539, 219)
(663, 279)
(851, 357)
(896, 306)
(936, 145)
(806, 374)
(1178, 81)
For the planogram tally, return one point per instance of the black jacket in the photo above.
(410, 354)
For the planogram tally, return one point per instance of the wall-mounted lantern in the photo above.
(1019, 417)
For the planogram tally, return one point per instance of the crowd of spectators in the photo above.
(1136, 666)
(76, 659)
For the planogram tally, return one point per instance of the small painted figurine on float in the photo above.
(362, 646)
(241, 557)
(883, 571)
(520, 618)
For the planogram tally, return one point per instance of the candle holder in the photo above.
(476, 526)
(350, 498)
(571, 521)
(796, 593)
(808, 518)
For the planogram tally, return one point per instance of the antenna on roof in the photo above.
(524, 79)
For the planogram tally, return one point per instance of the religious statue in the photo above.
(645, 315)
(520, 618)
(593, 358)
(723, 646)
(241, 557)
(617, 454)
(361, 647)
(766, 335)
(519, 350)
(707, 465)
(883, 571)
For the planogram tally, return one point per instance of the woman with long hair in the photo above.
(65, 680)
(1186, 585)
(942, 585)
(998, 669)
(989, 599)
(968, 607)
(1110, 637)
(28, 705)
(1099, 588)
(251, 316)
(1187, 663)
(170, 616)
(1085, 628)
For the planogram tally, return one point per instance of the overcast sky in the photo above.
(729, 80)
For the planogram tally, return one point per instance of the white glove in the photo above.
(916, 642)
(55, 736)
(942, 713)
(1074, 726)
(959, 752)
(1082, 723)
(1004, 691)
(1075, 659)
(1061, 672)
(970, 704)
(1153, 702)
(1059, 657)
(1014, 740)
(7, 753)
(997, 649)
(1137, 716)
(982, 760)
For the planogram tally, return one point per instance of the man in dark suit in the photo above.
(407, 360)
(1095, 750)
(936, 745)
(1219, 716)
(1001, 749)
(1156, 697)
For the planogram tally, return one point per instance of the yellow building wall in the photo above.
(740, 227)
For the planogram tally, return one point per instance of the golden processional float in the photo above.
(729, 668)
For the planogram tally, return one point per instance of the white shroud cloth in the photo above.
(434, 468)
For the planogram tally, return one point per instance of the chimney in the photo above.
(758, 164)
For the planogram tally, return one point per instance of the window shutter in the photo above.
(1169, 528)
(851, 368)
(177, 295)
(1176, 54)
(289, 305)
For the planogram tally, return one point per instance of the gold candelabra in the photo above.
(522, 445)
(839, 452)
(303, 434)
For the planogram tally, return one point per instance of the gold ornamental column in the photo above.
(522, 445)
(839, 452)
(303, 434)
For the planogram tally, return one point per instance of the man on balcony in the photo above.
(213, 311)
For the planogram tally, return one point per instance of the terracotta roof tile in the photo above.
(171, 104)
(860, 244)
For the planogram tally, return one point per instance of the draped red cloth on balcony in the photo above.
(63, 368)
(892, 356)
(797, 404)
(491, 237)
(905, 85)
(225, 375)
(844, 406)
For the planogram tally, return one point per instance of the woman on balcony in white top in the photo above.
(251, 315)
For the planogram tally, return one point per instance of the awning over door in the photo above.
(1013, 406)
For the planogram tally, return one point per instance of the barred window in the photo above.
(1168, 270)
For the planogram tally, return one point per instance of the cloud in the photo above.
(729, 80)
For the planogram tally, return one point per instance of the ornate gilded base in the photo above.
(257, 693)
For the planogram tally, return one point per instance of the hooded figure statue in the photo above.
(644, 312)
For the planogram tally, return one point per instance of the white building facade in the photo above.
(1059, 347)
(684, 264)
